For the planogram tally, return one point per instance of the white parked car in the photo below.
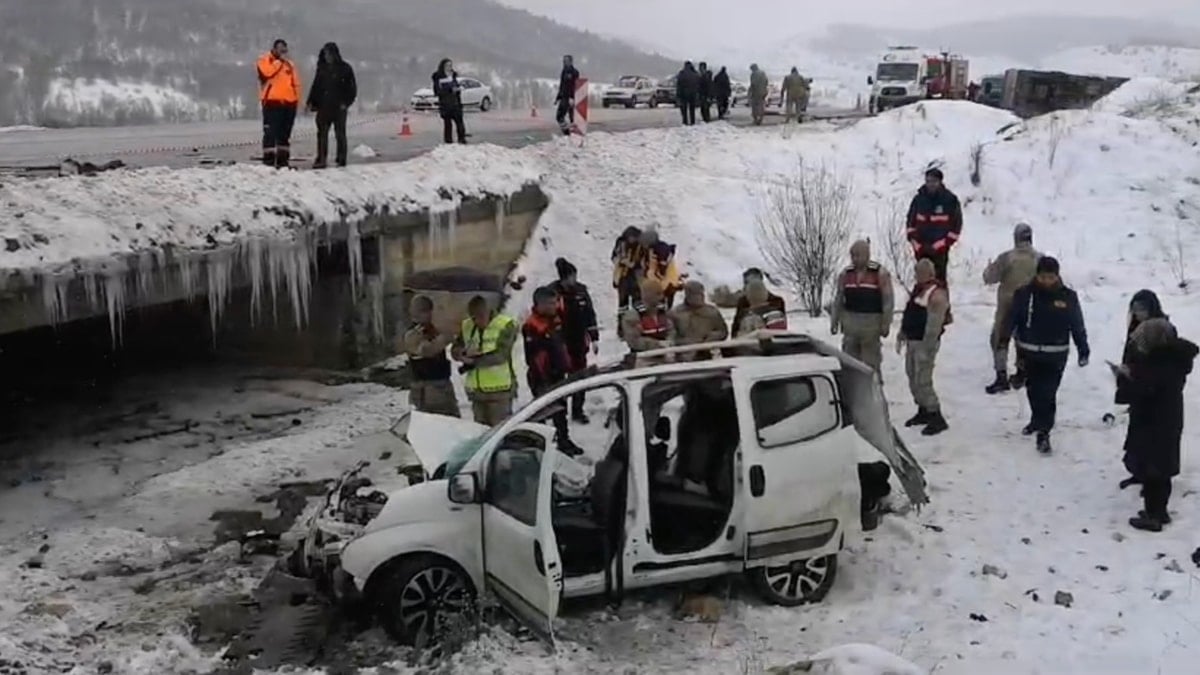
(631, 91)
(475, 94)
(748, 462)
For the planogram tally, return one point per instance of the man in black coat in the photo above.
(1153, 381)
(577, 314)
(565, 98)
(934, 222)
(1045, 318)
(334, 90)
(687, 93)
(722, 90)
(450, 105)
(706, 92)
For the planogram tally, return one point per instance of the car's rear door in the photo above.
(522, 567)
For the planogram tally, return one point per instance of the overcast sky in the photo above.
(688, 25)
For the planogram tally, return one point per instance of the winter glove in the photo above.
(1083, 361)
(833, 328)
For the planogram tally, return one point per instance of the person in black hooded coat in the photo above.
(450, 105)
(333, 91)
(1142, 306)
(1154, 382)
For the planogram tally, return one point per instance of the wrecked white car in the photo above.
(762, 455)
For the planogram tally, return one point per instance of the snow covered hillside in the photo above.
(1113, 192)
(1169, 63)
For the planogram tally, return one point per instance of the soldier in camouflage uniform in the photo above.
(921, 331)
(863, 306)
(1012, 270)
(430, 390)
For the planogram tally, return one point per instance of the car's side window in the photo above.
(793, 410)
(514, 471)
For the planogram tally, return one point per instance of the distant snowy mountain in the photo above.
(1168, 63)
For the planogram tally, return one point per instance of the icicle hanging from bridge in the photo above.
(354, 253)
(114, 300)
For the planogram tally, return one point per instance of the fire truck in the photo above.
(946, 76)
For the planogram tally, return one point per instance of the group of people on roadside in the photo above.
(334, 90)
(699, 89)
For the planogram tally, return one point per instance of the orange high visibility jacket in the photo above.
(277, 81)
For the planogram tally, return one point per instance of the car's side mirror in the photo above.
(464, 488)
(870, 80)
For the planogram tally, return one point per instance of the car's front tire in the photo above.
(799, 582)
(486, 104)
(421, 596)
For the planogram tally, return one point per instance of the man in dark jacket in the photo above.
(546, 357)
(333, 91)
(450, 105)
(565, 98)
(1154, 383)
(744, 302)
(687, 92)
(1045, 318)
(722, 90)
(706, 92)
(934, 222)
(577, 315)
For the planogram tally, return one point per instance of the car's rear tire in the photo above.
(800, 582)
(420, 596)
(653, 102)
(486, 104)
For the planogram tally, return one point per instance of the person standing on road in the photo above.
(687, 92)
(756, 299)
(1045, 318)
(1154, 383)
(580, 331)
(706, 92)
(450, 105)
(759, 88)
(484, 347)
(795, 90)
(863, 306)
(333, 91)
(921, 328)
(722, 90)
(1014, 269)
(934, 222)
(430, 390)
(546, 360)
(279, 94)
(565, 98)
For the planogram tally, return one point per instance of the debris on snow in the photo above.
(993, 571)
(364, 151)
(1063, 599)
(851, 659)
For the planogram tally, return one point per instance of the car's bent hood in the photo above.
(421, 503)
(432, 437)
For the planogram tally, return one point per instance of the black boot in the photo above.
(1043, 443)
(1165, 518)
(922, 417)
(1146, 523)
(1000, 385)
(1017, 380)
(1132, 480)
(935, 425)
(1028, 429)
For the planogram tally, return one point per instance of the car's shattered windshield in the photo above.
(463, 452)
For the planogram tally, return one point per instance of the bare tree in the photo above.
(804, 227)
(1175, 255)
(895, 249)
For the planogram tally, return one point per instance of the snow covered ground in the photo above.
(1171, 63)
(1113, 192)
(100, 101)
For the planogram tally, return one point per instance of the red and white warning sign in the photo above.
(581, 107)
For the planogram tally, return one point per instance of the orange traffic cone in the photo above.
(405, 129)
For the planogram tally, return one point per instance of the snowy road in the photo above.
(181, 145)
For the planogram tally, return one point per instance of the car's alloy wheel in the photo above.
(485, 105)
(423, 599)
(798, 582)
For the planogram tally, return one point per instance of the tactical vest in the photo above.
(488, 379)
(428, 368)
(916, 312)
(861, 291)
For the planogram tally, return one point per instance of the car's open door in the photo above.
(863, 396)
(522, 567)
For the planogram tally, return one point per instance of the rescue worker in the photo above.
(759, 88)
(431, 390)
(921, 329)
(628, 259)
(279, 94)
(1154, 383)
(706, 92)
(659, 265)
(934, 222)
(863, 306)
(756, 299)
(565, 98)
(484, 347)
(333, 91)
(546, 359)
(695, 320)
(1045, 318)
(450, 105)
(722, 90)
(646, 325)
(577, 314)
(687, 93)
(1012, 270)
(795, 93)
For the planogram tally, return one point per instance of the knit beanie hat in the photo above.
(1153, 333)
(565, 268)
(1047, 264)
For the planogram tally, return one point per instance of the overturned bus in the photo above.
(1029, 93)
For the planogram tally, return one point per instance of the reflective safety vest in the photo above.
(277, 81)
(488, 379)
(861, 292)
(655, 323)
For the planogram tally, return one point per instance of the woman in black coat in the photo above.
(1154, 382)
(450, 105)
(1143, 305)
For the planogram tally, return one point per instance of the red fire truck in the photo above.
(946, 76)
